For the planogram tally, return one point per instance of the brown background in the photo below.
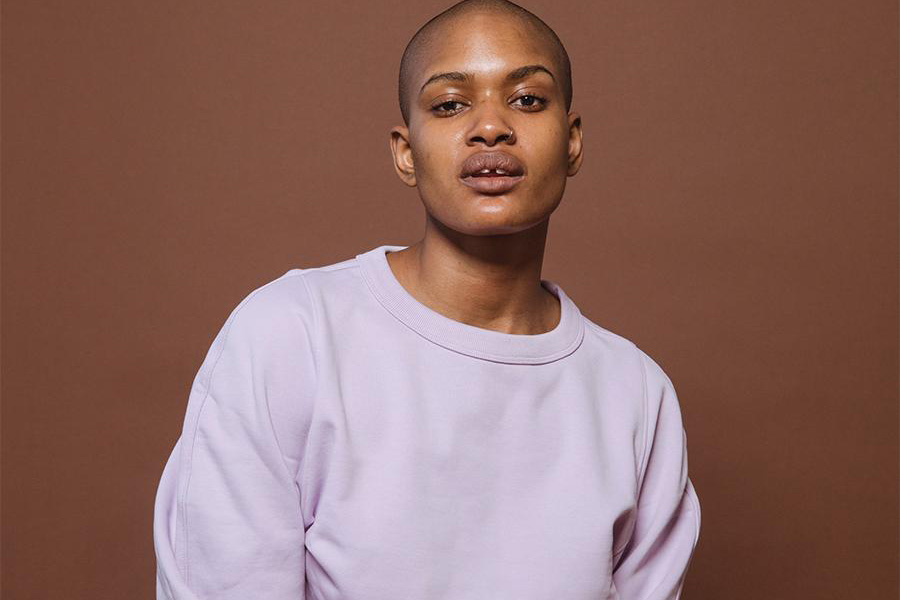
(736, 216)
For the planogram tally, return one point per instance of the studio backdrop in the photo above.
(735, 216)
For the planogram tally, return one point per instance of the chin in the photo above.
(494, 222)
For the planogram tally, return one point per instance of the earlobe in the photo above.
(402, 153)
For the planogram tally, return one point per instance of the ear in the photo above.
(575, 143)
(402, 151)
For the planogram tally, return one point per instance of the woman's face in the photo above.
(494, 76)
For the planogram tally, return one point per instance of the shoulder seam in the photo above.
(642, 464)
(301, 467)
(195, 424)
(189, 451)
(313, 343)
(348, 263)
(644, 435)
(316, 324)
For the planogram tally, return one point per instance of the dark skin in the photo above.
(480, 259)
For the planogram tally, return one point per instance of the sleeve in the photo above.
(655, 561)
(227, 519)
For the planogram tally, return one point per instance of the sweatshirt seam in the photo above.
(340, 266)
(196, 425)
(301, 475)
(644, 437)
(441, 340)
(645, 418)
(292, 475)
(297, 474)
(190, 449)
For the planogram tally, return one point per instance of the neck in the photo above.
(492, 282)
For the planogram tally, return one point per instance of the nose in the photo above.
(489, 127)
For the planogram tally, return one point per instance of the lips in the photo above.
(492, 172)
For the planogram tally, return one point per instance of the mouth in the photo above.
(492, 172)
(492, 182)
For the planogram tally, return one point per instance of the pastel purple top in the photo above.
(343, 441)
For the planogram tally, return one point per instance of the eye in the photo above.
(442, 109)
(530, 101)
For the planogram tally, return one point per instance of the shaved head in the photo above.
(426, 38)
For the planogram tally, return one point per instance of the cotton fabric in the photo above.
(343, 441)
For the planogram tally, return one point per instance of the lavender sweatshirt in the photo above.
(342, 441)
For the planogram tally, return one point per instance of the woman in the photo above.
(435, 421)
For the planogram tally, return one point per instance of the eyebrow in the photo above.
(514, 75)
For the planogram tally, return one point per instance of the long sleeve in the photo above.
(667, 526)
(227, 514)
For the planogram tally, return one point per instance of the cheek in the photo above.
(433, 162)
(550, 151)
(435, 173)
(560, 145)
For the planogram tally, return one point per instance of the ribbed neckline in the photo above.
(468, 339)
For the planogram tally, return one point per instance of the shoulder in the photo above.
(655, 376)
(275, 310)
(652, 385)
(661, 418)
(623, 353)
(289, 309)
(624, 349)
(609, 341)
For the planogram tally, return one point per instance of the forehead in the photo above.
(486, 44)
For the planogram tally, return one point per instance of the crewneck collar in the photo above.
(477, 342)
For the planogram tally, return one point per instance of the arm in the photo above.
(655, 562)
(227, 518)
